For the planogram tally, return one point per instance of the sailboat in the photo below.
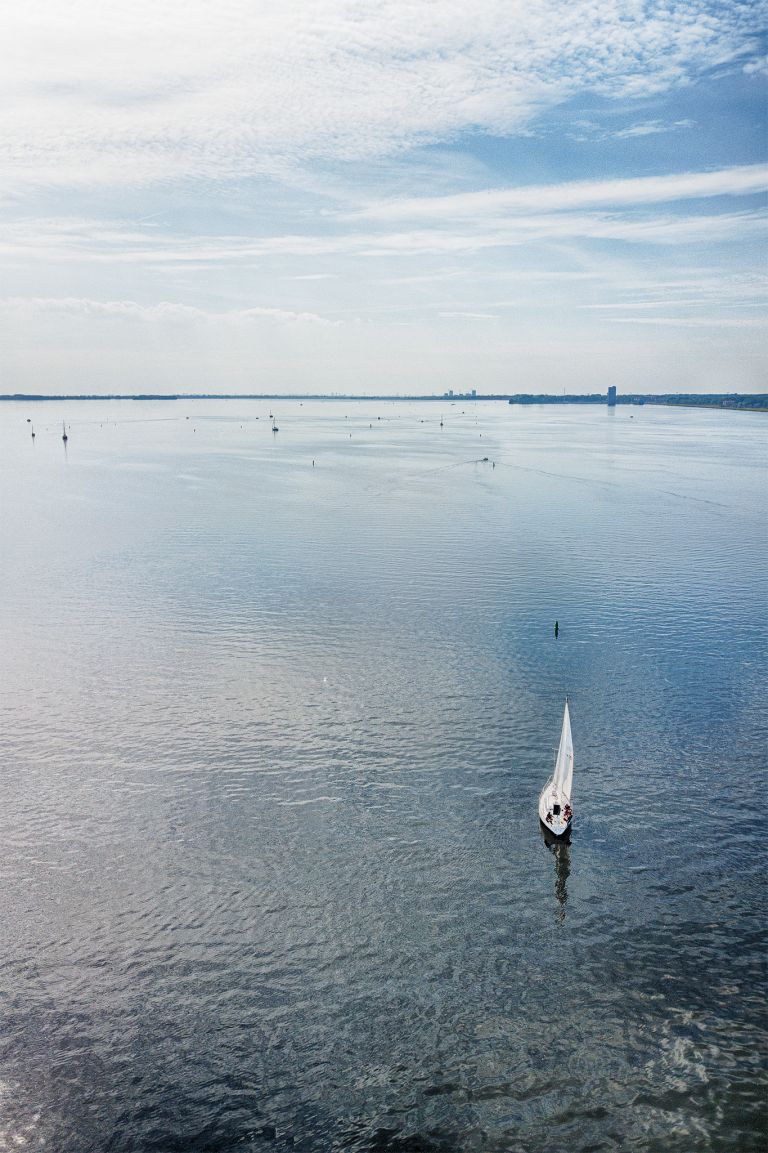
(555, 811)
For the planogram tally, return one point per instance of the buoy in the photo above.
(557, 628)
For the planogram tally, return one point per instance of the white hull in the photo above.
(551, 799)
(555, 811)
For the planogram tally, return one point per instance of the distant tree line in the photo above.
(755, 401)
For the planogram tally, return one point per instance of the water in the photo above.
(271, 876)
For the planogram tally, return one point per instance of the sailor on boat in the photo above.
(555, 810)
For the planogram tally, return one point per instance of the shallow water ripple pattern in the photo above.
(272, 737)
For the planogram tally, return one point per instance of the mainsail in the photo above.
(563, 776)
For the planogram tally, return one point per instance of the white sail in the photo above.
(563, 776)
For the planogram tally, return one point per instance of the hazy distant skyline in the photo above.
(383, 197)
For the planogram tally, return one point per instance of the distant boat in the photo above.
(274, 425)
(555, 811)
(64, 436)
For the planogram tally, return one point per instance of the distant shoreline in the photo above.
(750, 402)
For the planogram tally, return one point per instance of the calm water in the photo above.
(271, 874)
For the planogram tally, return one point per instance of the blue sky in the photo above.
(342, 195)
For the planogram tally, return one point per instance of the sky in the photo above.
(380, 196)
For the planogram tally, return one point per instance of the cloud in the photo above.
(80, 242)
(757, 66)
(698, 289)
(705, 322)
(588, 130)
(163, 312)
(740, 180)
(469, 315)
(95, 93)
(651, 128)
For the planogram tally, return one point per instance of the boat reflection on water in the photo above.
(560, 848)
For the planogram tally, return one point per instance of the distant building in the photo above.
(612, 396)
(451, 395)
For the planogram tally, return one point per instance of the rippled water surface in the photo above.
(271, 874)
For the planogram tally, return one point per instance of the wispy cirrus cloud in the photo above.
(700, 322)
(469, 232)
(589, 130)
(651, 128)
(459, 314)
(739, 180)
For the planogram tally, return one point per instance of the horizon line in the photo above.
(453, 396)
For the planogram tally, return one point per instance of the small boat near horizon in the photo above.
(555, 809)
